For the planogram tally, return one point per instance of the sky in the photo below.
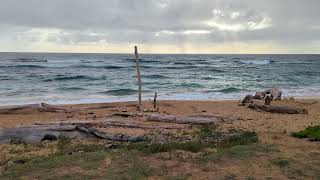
(160, 26)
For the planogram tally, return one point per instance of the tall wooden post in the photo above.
(138, 74)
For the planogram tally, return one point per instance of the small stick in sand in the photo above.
(155, 101)
(138, 74)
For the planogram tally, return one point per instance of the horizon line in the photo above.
(162, 53)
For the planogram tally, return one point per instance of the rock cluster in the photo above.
(267, 96)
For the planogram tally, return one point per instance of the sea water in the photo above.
(87, 78)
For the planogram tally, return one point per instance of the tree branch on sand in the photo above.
(278, 109)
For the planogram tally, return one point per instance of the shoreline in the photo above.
(80, 102)
(131, 100)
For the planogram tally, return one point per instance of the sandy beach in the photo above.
(248, 119)
(272, 130)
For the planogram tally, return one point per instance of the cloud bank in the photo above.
(161, 26)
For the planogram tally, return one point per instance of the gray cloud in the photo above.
(160, 21)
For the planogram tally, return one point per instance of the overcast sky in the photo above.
(160, 26)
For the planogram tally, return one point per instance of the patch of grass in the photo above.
(43, 166)
(65, 146)
(313, 133)
(289, 167)
(130, 171)
(178, 177)
(245, 151)
(281, 162)
(207, 131)
(243, 138)
(194, 146)
(128, 166)
(251, 178)
(238, 152)
(168, 147)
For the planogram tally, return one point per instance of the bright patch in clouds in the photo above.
(237, 21)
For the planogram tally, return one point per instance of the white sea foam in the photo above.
(256, 62)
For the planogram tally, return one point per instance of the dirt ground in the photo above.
(276, 156)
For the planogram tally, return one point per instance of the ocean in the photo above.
(88, 78)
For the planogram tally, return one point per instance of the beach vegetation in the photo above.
(312, 133)
(238, 152)
(281, 162)
(128, 161)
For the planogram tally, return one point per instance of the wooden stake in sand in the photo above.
(138, 74)
(155, 101)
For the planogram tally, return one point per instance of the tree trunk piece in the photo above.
(279, 109)
(183, 120)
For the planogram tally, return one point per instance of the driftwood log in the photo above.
(103, 135)
(44, 107)
(278, 109)
(183, 120)
(36, 134)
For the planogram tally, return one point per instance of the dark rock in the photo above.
(19, 161)
(247, 99)
(49, 137)
(260, 95)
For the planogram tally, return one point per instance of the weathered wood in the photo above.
(128, 114)
(13, 109)
(138, 125)
(52, 108)
(44, 107)
(138, 74)
(155, 101)
(36, 134)
(306, 103)
(183, 120)
(279, 109)
(109, 136)
(109, 123)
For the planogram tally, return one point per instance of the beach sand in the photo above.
(272, 129)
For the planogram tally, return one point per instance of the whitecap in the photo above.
(256, 62)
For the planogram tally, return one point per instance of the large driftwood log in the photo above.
(37, 134)
(109, 136)
(183, 120)
(44, 107)
(279, 109)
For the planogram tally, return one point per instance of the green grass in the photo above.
(238, 152)
(243, 138)
(313, 133)
(128, 166)
(289, 167)
(178, 177)
(126, 161)
(194, 146)
(281, 162)
(167, 147)
(44, 166)
(207, 131)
